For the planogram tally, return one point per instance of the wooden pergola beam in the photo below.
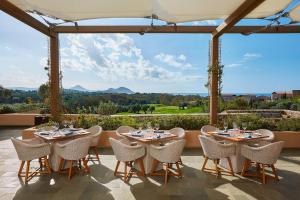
(177, 29)
(243, 10)
(21, 15)
(54, 77)
(214, 81)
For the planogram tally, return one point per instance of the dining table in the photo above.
(62, 136)
(239, 138)
(146, 138)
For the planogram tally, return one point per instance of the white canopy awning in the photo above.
(167, 10)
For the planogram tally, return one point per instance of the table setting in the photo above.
(238, 137)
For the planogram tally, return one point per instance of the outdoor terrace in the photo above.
(102, 184)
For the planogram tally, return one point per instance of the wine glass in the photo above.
(244, 126)
(234, 125)
(225, 126)
(156, 126)
(149, 126)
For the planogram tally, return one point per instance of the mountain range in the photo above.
(82, 89)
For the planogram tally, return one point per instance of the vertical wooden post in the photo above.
(214, 80)
(54, 76)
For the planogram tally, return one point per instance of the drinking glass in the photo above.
(244, 125)
(149, 126)
(225, 126)
(234, 125)
(156, 126)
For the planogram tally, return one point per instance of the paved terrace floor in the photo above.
(101, 183)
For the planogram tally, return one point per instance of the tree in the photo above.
(4, 93)
(183, 105)
(28, 100)
(108, 108)
(152, 109)
(238, 103)
(44, 92)
(135, 108)
(145, 108)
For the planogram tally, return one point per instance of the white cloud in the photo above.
(205, 22)
(251, 56)
(174, 61)
(234, 65)
(114, 57)
(246, 58)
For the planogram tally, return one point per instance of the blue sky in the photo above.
(152, 62)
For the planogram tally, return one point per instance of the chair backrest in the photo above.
(269, 153)
(170, 153)
(28, 150)
(208, 128)
(215, 150)
(20, 148)
(76, 149)
(119, 149)
(95, 132)
(124, 129)
(179, 132)
(266, 132)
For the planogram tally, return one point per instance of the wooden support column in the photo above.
(214, 81)
(54, 76)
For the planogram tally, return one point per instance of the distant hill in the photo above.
(22, 88)
(79, 88)
(110, 90)
(118, 90)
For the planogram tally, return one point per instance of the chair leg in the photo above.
(141, 164)
(263, 174)
(245, 167)
(70, 169)
(154, 165)
(275, 172)
(180, 161)
(96, 153)
(116, 169)
(47, 165)
(179, 170)
(166, 174)
(27, 170)
(230, 165)
(217, 168)
(125, 171)
(86, 167)
(204, 164)
(21, 168)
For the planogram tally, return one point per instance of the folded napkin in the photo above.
(44, 133)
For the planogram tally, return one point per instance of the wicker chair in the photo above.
(73, 151)
(168, 154)
(95, 132)
(29, 150)
(264, 156)
(180, 135)
(266, 132)
(128, 154)
(215, 151)
(208, 128)
(124, 129)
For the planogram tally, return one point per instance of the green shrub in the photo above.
(7, 109)
(188, 122)
(288, 125)
(108, 108)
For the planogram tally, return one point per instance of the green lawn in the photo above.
(162, 109)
